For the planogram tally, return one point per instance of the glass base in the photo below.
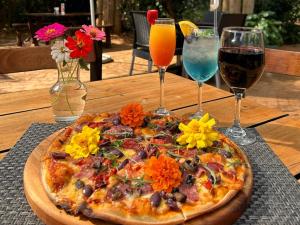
(240, 136)
(65, 119)
(196, 115)
(162, 112)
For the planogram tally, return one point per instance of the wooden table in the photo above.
(18, 110)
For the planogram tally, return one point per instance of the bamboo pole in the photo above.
(225, 6)
(235, 6)
(100, 12)
(248, 6)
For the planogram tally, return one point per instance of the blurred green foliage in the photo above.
(286, 11)
(272, 29)
(192, 10)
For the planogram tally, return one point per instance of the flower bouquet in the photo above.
(68, 94)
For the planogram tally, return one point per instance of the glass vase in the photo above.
(68, 94)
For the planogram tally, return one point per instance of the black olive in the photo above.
(170, 195)
(176, 189)
(188, 166)
(117, 152)
(100, 153)
(188, 161)
(100, 184)
(142, 154)
(97, 165)
(104, 143)
(218, 179)
(87, 212)
(146, 121)
(123, 164)
(87, 190)
(79, 184)
(116, 121)
(140, 138)
(59, 155)
(116, 194)
(189, 179)
(163, 194)
(172, 204)
(225, 153)
(217, 144)
(155, 199)
(81, 207)
(180, 197)
(212, 179)
(65, 207)
(152, 149)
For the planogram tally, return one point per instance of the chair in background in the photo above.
(141, 42)
(208, 19)
(141, 39)
(231, 20)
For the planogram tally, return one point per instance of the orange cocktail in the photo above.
(162, 43)
(162, 48)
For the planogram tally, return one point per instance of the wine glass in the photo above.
(162, 44)
(200, 59)
(241, 64)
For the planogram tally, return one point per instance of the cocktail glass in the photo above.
(162, 45)
(200, 60)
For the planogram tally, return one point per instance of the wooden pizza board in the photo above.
(51, 215)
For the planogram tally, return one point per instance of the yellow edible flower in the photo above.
(84, 143)
(198, 133)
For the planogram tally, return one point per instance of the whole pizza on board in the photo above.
(133, 167)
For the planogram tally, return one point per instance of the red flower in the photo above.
(152, 15)
(80, 46)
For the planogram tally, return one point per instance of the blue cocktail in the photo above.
(200, 59)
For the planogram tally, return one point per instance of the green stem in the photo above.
(67, 99)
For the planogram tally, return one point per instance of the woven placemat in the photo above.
(275, 198)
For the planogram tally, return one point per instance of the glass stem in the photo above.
(237, 112)
(162, 71)
(200, 87)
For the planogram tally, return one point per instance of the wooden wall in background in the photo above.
(109, 14)
(25, 59)
(282, 61)
(238, 6)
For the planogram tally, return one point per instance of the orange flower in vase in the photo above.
(132, 115)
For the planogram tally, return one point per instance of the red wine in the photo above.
(241, 67)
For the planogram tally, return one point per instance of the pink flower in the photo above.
(50, 32)
(93, 32)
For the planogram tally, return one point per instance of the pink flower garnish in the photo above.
(50, 32)
(93, 32)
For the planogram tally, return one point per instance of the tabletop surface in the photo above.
(20, 109)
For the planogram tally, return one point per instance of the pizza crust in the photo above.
(108, 213)
(120, 216)
(190, 212)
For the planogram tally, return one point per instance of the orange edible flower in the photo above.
(132, 115)
(163, 172)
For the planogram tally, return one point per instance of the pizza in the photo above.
(133, 167)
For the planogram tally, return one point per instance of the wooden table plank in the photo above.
(223, 110)
(177, 94)
(283, 136)
(2, 155)
(37, 99)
